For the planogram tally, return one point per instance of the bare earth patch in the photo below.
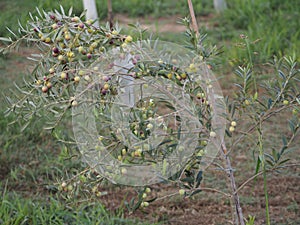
(213, 208)
(160, 25)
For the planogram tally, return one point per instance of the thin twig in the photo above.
(201, 188)
(260, 173)
(214, 190)
(167, 196)
(265, 117)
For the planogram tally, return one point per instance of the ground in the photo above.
(213, 208)
(167, 24)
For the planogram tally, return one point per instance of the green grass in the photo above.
(272, 25)
(16, 210)
(12, 11)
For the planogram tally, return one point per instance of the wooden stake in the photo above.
(238, 209)
(91, 11)
(194, 21)
(110, 14)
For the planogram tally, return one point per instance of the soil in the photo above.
(163, 24)
(213, 208)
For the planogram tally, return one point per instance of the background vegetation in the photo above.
(271, 24)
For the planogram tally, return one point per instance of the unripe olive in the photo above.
(48, 84)
(74, 103)
(128, 39)
(51, 70)
(61, 58)
(285, 102)
(77, 79)
(123, 170)
(75, 19)
(181, 191)
(106, 86)
(114, 32)
(233, 123)
(212, 134)
(63, 75)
